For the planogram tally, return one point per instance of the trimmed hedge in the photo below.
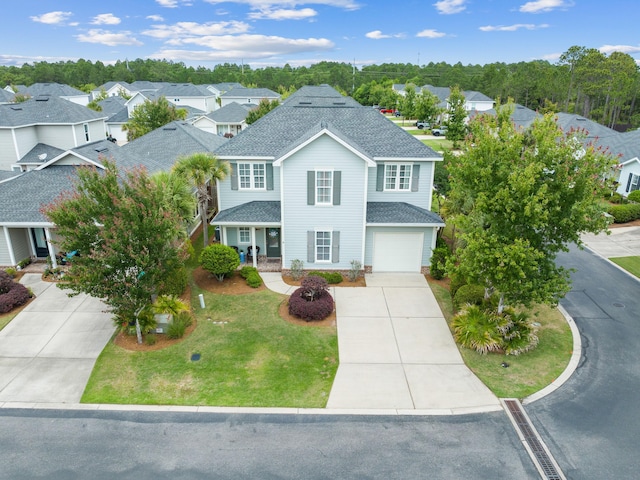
(330, 277)
(176, 284)
(625, 213)
(469, 295)
(318, 309)
(439, 262)
(634, 196)
(254, 280)
(247, 270)
(12, 294)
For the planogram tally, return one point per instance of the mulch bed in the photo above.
(360, 282)
(236, 285)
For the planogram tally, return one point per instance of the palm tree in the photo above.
(177, 192)
(200, 169)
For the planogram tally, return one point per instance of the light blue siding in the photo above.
(5, 259)
(232, 198)
(346, 218)
(421, 198)
(20, 243)
(429, 234)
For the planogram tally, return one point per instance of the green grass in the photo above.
(255, 359)
(527, 373)
(6, 318)
(438, 145)
(630, 264)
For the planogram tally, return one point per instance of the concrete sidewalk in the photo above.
(621, 242)
(396, 352)
(49, 349)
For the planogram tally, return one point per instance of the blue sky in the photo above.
(274, 32)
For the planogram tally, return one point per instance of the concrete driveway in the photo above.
(621, 242)
(396, 352)
(48, 350)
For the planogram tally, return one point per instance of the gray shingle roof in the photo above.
(301, 116)
(232, 113)
(53, 89)
(251, 212)
(40, 187)
(185, 90)
(46, 110)
(111, 105)
(6, 97)
(141, 85)
(400, 213)
(6, 174)
(41, 153)
(242, 92)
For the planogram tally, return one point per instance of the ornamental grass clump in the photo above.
(312, 301)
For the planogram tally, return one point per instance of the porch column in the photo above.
(254, 256)
(52, 253)
(12, 257)
(223, 236)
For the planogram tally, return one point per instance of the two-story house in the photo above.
(325, 180)
(248, 96)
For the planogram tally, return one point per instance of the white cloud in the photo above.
(512, 28)
(448, 7)
(105, 19)
(608, 49)
(430, 33)
(175, 33)
(108, 38)
(538, 6)
(269, 4)
(552, 57)
(378, 35)
(283, 14)
(155, 18)
(229, 47)
(52, 18)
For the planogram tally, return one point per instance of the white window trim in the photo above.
(315, 244)
(396, 188)
(315, 187)
(252, 176)
(87, 136)
(240, 235)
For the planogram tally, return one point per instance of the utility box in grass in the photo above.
(162, 322)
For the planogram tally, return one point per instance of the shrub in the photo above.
(24, 262)
(254, 280)
(438, 262)
(175, 284)
(625, 213)
(150, 339)
(477, 329)
(519, 335)
(634, 196)
(12, 294)
(331, 277)
(300, 306)
(297, 267)
(457, 281)
(469, 295)
(616, 198)
(354, 271)
(179, 325)
(12, 272)
(219, 260)
(247, 270)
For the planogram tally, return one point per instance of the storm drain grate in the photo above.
(544, 461)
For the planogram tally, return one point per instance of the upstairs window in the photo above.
(86, 131)
(324, 187)
(397, 177)
(251, 176)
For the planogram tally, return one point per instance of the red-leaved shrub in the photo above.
(312, 301)
(12, 294)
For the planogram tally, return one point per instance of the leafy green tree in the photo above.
(94, 104)
(521, 197)
(150, 115)
(129, 242)
(456, 115)
(427, 106)
(219, 260)
(200, 169)
(264, 107)
(407, 103)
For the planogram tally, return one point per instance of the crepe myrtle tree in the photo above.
(129, 239)
(520, 197)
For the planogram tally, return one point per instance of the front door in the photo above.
(40, 242)
(273, 242)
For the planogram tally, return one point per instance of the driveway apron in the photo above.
(49, 349)
(396, 351)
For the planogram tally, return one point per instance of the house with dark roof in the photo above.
(59, 90)
(47, 120)
(25, 232)
(328, 181)
(184, 95)
(248, 96)
(474, 101)
(230, 119)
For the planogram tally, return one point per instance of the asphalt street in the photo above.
(591, 423)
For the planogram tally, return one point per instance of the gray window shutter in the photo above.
(234, 176)
(311, 187)
(335, 247)
(629, 182)
(311, 246)
(380, 178)
(415, 178)
(337, 177)
(269, 172)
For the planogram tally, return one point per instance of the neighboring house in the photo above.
(25, 232)
(184, 95)
(7, 96)
(45, 120)
(626, 146)
(248, 96)
(230, 119)
(474, 101)
(220, 88)
(115, 107)
(325, 180)
(112, 89)
(57, 90)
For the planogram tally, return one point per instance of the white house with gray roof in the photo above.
(248, 96)
(59, 90)
(325, 180)
(230, 119)
(184, 95)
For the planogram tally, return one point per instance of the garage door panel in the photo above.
(397, 252)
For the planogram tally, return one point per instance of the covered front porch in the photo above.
(21, 242)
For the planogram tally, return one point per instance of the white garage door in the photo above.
(397, 252)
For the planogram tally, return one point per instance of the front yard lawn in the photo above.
(526, 373)
(249, 356)
(630, 264)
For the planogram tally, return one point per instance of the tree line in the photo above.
(583, 81)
